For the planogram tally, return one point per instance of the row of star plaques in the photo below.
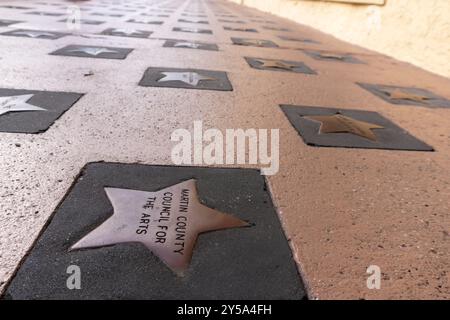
(160, 232)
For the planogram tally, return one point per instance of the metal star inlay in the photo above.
(34, 34)
(167, 222)
(187, 45)
(127, 31)
(398, 94)
(338, 123)
(191, 78)
(93, 51)
(17, 104)
(277, 64)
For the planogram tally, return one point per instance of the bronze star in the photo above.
(331, 56)
(277, 64)
(338, 123)
(167, 222)
(398, 94)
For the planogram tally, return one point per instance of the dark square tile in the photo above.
(240, 29)
(31, 111)
(5, 22)
(236, 263)
(305, 40)
(407, 95)
(190, 45)
(192, 30)
(45, 14)
(193, 21)
(330, 127)
(254, 42)
(124, 32)
(36, 34)
(231, 21)
(276, 28)
(333, 56)
(100, 52)
(84, 21)
(145, 21)
(279, 65)
(186, 78)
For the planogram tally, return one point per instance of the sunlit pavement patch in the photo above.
(407, 95)
(31, 111)
(93, 52)
(330, 127)
(279, 65)
(186, 78)
(190, 45)
(253, 262)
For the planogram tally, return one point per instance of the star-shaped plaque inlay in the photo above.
(277, 64)
(17, 104)
(191, 78)
(398, 94)
(167, 222)
(93, 51)
(338, 123)
(34, 34)
(187, 45)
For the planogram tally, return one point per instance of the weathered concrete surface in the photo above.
(343, 209)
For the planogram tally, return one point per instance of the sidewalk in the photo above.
(342, 209)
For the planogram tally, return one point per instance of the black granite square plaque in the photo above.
(231, 21)
(127, 32)
(276, 28)
(186, 78)
(84, 21)
(193, 21)
(190, 45)
(145, 21)
(14, 7)
(5, 22)
(45, 14)
(36, 34)
(333, 56)
(240, 29)
(192, 30)
(253, 262)
(279, 65)
(254, 42)
(330, 127)
(31, 111)
(407, 95)
(304, 40)
(100, 52)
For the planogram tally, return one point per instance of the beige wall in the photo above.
(416, 31)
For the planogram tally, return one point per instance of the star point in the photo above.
(167, 222)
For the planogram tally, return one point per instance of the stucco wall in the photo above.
(416, 31)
